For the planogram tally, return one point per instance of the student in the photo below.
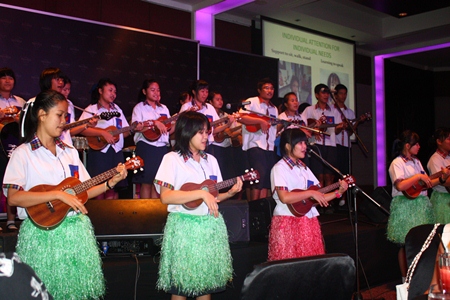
(8, 101)
(68, 134)
(200, 92)
(195, 254)
(152, 152)
(440, 198)
(326, 144)
(259, 145)
(66, 258)
(98, 161)
(293, 236)
(406, 171)
(222, 150)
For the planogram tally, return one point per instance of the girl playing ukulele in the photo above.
(67, 257)
(195, 254)
(291, 236)
(405, 171)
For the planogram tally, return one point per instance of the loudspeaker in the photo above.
(235, 214)
(128, 226)
(383, 197)
(261, 212)
(330, 276)
(127, 216)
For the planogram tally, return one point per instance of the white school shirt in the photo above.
(403, 169)
(227, 141)
(287, 177)
(145, 112)
(118, 122)
(342, 137)
(65, 135)
(11, 101)
(208, 110)
(315, 112)
(29, 167)
(434, 165)
(258, 138)
(176, 170)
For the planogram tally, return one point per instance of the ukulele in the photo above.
(213, 188)
(273, 121)
(50, 214)
(99, 142)
(9, 130)
(227, 133)
(419, 186)
(300, 208)
(103, 116)
(153, 133)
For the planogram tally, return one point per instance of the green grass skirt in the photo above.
(441, 207)
(195, 255)
(66, 258)
(406, 214)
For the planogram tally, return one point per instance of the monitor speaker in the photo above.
(235, 214)
(261, 212)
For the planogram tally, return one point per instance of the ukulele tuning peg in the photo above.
(246, 171)
(256, 181)
(142, 169)
(127, 159)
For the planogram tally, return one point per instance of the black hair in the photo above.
(319, 87)
(407, 137)
(45, 79)
(147, 82)
(264, 81)
(7, 72)
(44, 100)
(198, 85)
(189, 123)
(66, 79)
(95, 95)
(339, 87)
(211, 96)
(291, 137)
(285, 100)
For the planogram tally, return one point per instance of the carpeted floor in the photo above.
(382, 292)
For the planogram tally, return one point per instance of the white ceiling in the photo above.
(374, 32)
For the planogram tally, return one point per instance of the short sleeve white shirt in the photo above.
(315, 112)
(342, 137)
(286, 177)
(30, 167)
(118, 122)
(403, 169)
(208, 110)
(144, 112)
(435, 163)
(175, 170)
(265, 141)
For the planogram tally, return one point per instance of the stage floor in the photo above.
(129, 274)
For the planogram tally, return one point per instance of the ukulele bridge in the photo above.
(50, 207)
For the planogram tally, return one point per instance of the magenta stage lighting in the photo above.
(380, 145)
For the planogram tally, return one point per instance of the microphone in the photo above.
(229, 105)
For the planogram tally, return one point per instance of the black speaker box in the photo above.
(128, 226)
(382, 196)
(261, 212)
(235, 214)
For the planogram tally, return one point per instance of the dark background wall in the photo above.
(242, 39)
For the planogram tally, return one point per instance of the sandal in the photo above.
(12, 227)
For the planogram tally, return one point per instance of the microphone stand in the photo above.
(355, 189)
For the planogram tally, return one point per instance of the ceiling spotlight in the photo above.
(403, 14)
(297, 20)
